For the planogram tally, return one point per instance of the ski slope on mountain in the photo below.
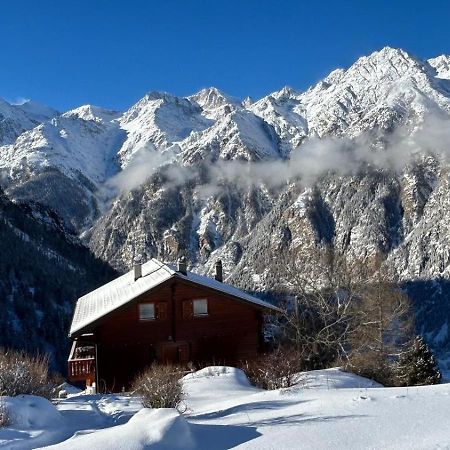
(326, 409)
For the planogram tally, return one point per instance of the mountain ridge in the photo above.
(357, 163)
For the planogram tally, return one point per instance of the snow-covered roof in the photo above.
(125, 288)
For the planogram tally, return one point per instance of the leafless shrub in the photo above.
(275, 370)
(159, 386)
(21, 373)
(372, 365)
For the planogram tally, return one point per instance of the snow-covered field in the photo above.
(326, 409)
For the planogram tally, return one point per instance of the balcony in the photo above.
(81, 363)
(81, 369)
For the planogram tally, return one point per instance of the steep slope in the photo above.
(239, 134)
(159, 120)
(285, 113)
(386, 91)
(43, 270)
(61, 163)
(442, 66)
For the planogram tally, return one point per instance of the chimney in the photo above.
(137, 269)
(182, 265)
(219, 272)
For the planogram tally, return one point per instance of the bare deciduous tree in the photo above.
(385, 325)
(344, 313)
(318, 315)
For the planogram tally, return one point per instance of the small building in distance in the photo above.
(161, 313)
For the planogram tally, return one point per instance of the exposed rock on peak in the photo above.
(213, 98)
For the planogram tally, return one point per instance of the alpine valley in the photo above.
(358, 163)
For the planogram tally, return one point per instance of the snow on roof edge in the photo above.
(225, 288)
(122, 290)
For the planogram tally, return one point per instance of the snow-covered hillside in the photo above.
(82, 141)
(326, 409)
(15, 119)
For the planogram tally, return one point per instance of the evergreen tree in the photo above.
(417, 365)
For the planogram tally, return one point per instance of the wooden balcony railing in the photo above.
(81, 369)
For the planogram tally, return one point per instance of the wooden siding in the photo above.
(231, 332)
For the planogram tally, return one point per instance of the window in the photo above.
(146, 311)
(200, 307)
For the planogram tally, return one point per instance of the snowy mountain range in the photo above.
(358, 162)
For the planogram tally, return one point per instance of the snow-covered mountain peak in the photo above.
(16, 119)
(442, 66)
(159, 95)
(388, 52)
(7, 111)
(332, 78)
(38, 111)
(377, 91)
(154, 101)
(386, 65)
(214, 103)
(76, 143)
(159, 120)
(212, 98)
(239, 134)
(29, 109)
(247, 102)
(283, 111)
(285, 93)
(92, 113)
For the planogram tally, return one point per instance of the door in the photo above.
(175, 353)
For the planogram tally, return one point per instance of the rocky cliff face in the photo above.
(359, 163)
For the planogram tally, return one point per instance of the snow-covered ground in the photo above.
(326, 409)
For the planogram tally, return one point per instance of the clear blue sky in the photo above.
(110, 53)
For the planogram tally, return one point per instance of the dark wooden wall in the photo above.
(230, 333)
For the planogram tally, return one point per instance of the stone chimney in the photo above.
(182, 265)
(137, 267)
(219, 271)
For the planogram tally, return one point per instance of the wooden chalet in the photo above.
(159, 312)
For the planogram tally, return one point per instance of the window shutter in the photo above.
(161, 311)
(187, 309)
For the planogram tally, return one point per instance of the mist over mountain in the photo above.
(359, 163)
